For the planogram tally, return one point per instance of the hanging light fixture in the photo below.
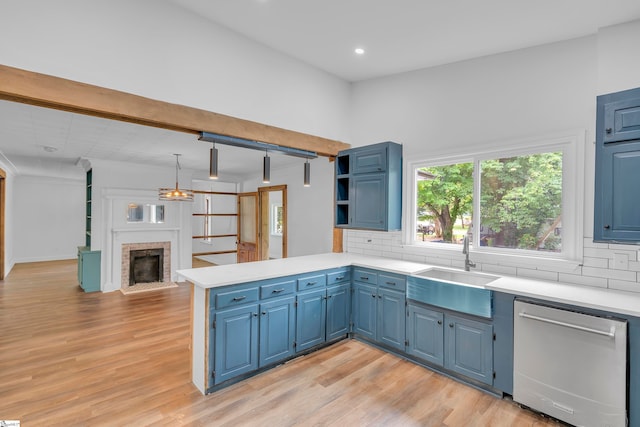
(266, 168)
(307, 174)
(213, 162)
(175, 194)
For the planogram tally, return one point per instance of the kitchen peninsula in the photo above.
(249, 317)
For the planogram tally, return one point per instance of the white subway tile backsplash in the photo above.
(598, 268)
(609, 274)
(595, 262)
(589, 243)
(537, 274)
(619, 247)
(623, 285)
(415, 258)
(582, 280)
(499, 269)
(597, 253)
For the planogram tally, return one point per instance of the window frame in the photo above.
(571, 145)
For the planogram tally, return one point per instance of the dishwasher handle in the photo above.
(611, 333)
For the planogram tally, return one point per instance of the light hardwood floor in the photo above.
(68, 358)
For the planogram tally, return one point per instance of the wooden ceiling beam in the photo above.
(62, 94)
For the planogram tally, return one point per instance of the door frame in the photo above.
(240, 251)
(263, 220)
(3, 188)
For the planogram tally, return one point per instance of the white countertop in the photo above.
(596, 298)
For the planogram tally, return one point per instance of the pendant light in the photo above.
(307, 174)
(213, 162)
(175, 194)
(266, 168)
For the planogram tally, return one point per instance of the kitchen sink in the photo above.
(460, 277)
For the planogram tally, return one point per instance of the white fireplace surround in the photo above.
(174, 234)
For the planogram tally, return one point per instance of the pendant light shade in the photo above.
(175, 194)
(213, 163)
(266, 168)
(307, 173)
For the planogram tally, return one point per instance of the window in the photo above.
(137, 212)
(276, 219)
(522, 202)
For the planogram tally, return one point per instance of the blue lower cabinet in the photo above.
(425, 336)
(365, 310)
(277, 330)
(379, 313)
(311, 315)
(469, 348)
(236, 342)
(391, 318)
(338, 310)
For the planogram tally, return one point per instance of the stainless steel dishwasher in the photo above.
(570, 365)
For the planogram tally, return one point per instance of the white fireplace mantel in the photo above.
(176, 229)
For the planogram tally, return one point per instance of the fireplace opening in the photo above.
(146, 266)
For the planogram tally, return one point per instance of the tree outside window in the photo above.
(519, 200)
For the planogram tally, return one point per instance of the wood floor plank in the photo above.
(68, 358)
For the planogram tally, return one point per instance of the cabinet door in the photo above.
(369, 159)
(311, 318)
(364, 310)
(622, 120)
(277, 330)
(338, 310)
(425, 334)
(369, 196)
(469, 348)
(236, 350)
(391, 318)
(619, 215)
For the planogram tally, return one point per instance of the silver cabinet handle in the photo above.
(311, 283)
(277, 291)
(391, 283)
(239, 298)
(364, 278)
(339, 277)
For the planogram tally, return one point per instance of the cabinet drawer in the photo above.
(236, 297)
(277, 289)
(365, 276)
(338, 276)
(312, 282)
(392, 281)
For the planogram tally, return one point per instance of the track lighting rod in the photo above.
(255, 145)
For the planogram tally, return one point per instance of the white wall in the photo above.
(156, 49)
(618, 59)
(494, 100)
(47, 218)
(9, 221)
(309, 209)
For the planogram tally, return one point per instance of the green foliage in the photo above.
(447, 196)
(521, 199)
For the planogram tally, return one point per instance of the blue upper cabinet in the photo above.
(617, 210)
(368, 188)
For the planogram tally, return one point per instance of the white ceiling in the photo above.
(398, 36)
(403, 35)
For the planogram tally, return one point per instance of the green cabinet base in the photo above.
(88, 269)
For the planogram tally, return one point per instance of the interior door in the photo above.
(273, 222)
(247, 227)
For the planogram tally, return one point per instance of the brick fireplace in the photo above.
(144, 262)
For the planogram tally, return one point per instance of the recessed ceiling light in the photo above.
(359, 51)
(49, 149)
